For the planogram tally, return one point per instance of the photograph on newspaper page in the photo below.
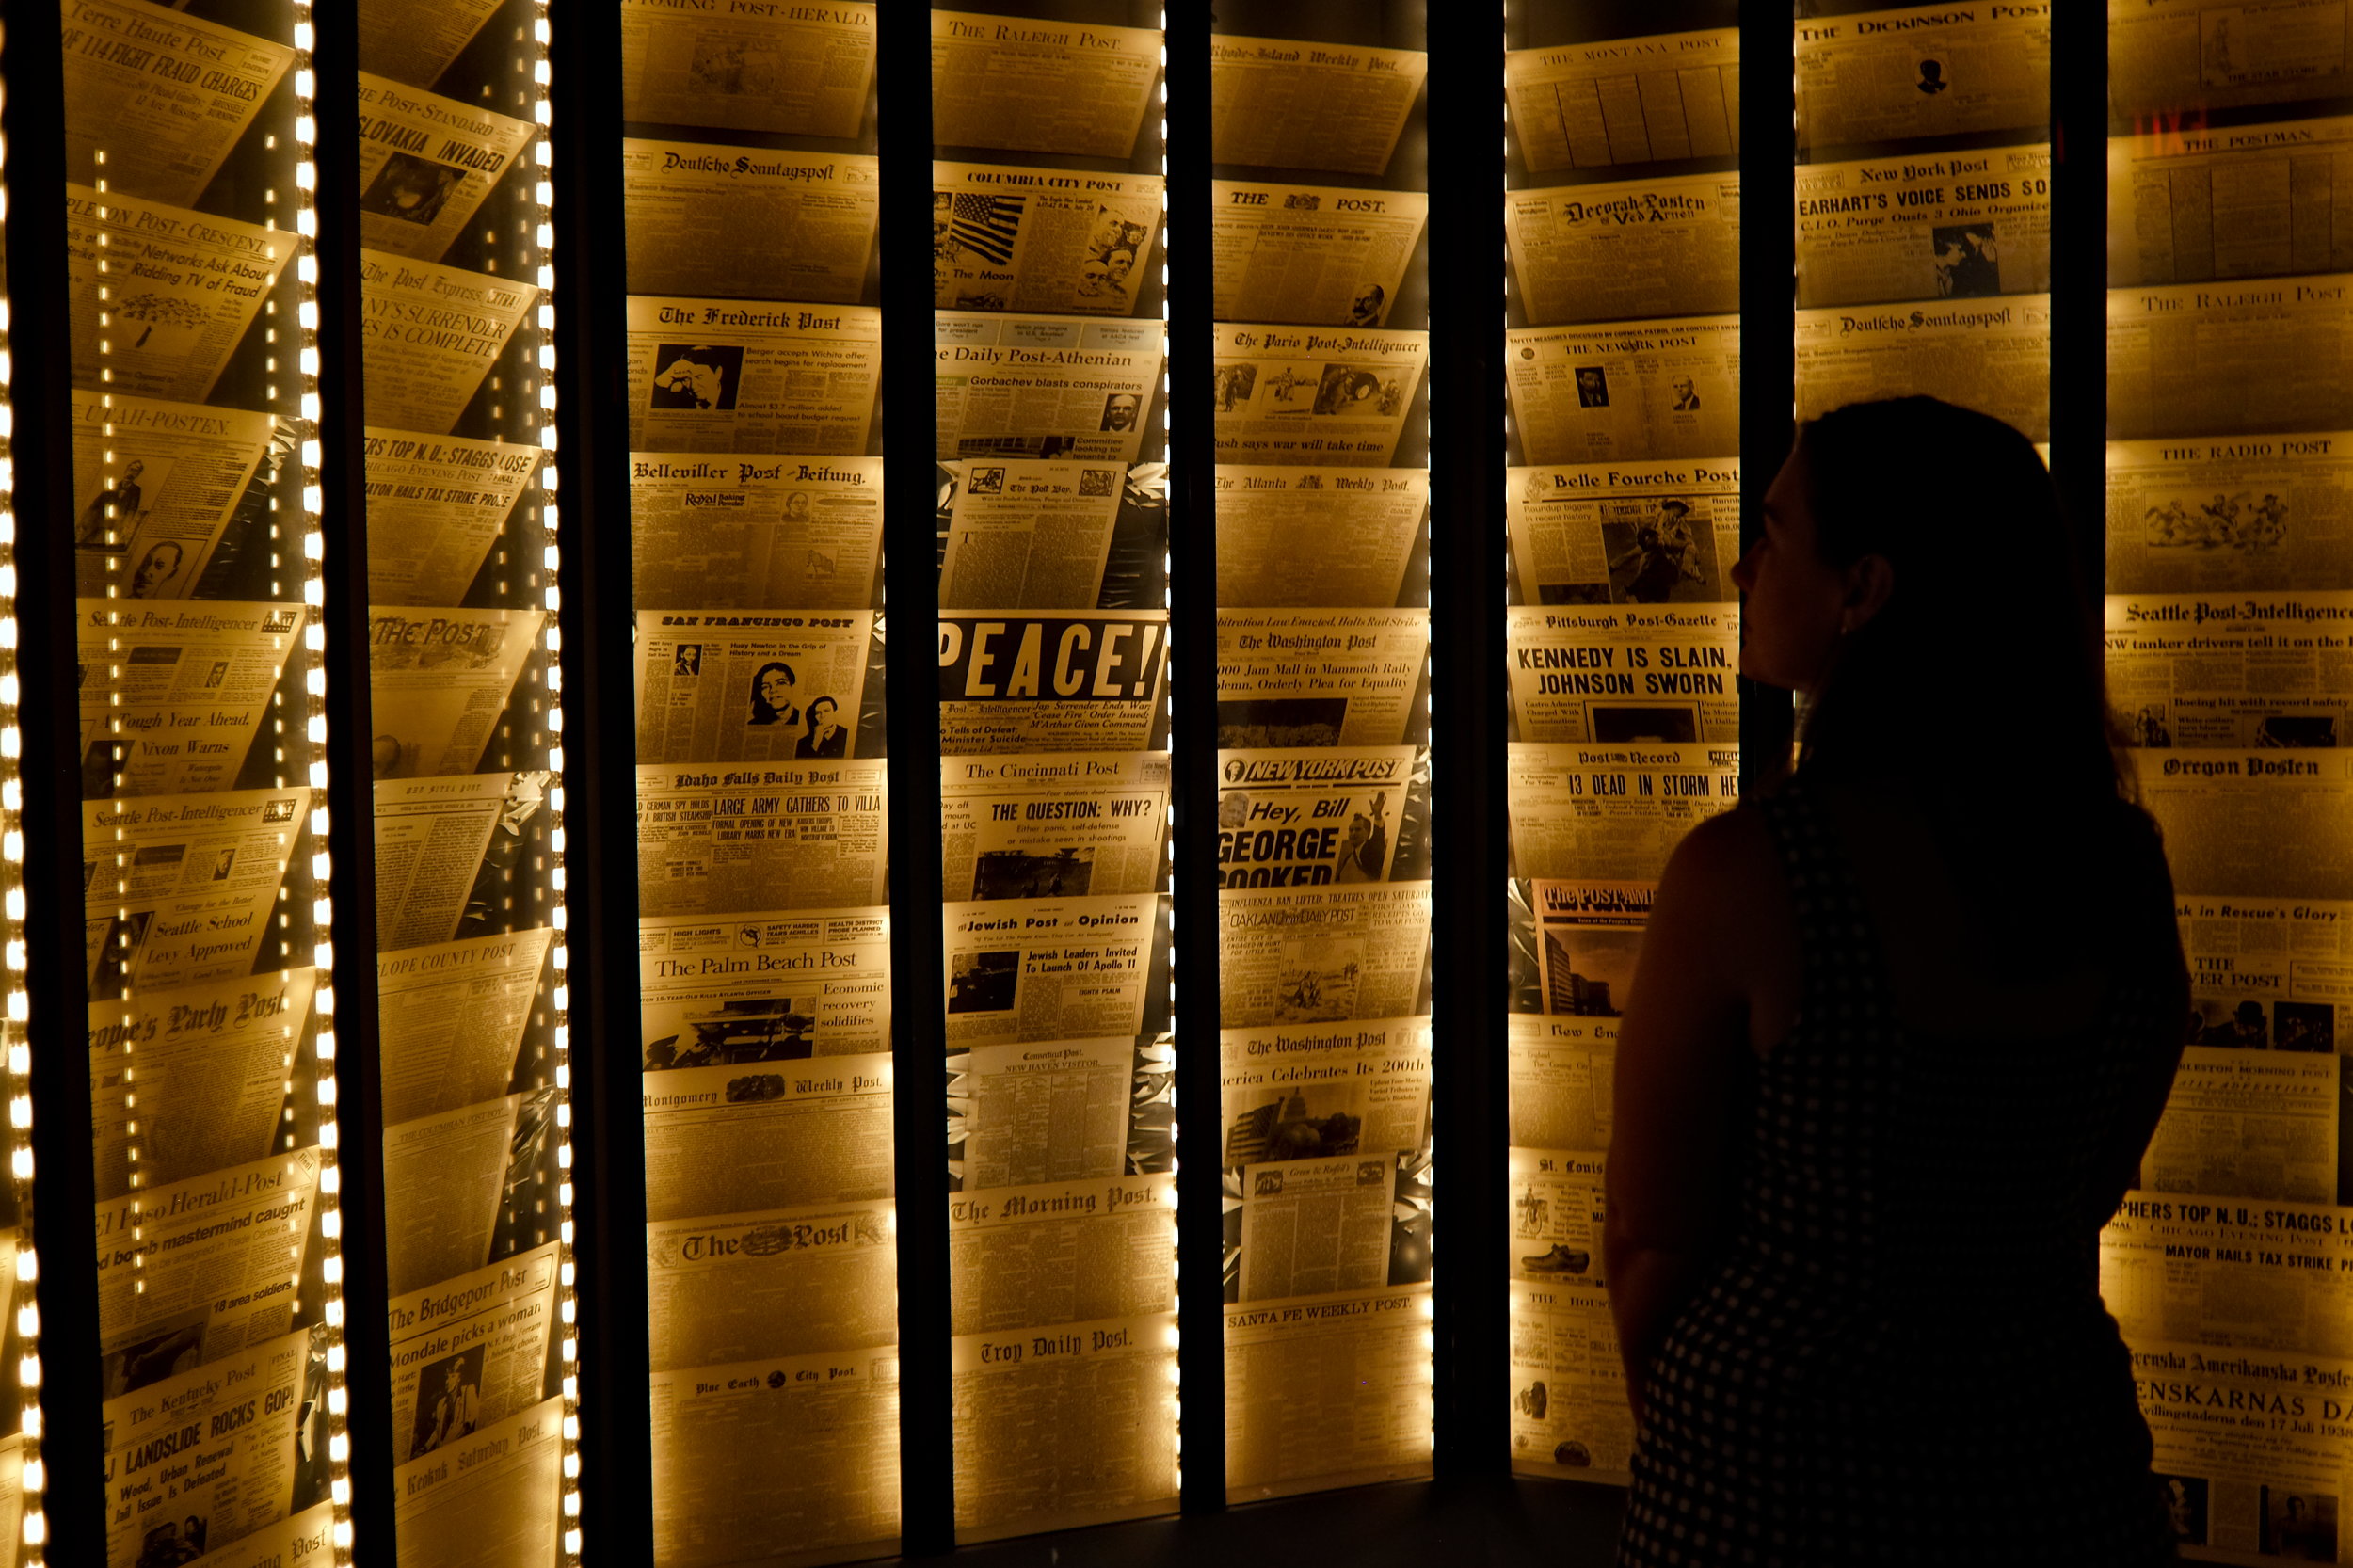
(441, 845)
(1561, 1068)
(446, 1177)
(181, 288)
(173, 691)
(720, 841)
(799, 69)
(1312, 1227)
(1059, 968)
(191, 1272)
(210, 1455)
(155, 486)
(1318, 1092)
(1323, 955)
(2197, 358)
(1667, 389)
(750, 687)
(2252, 669)
(157, 99)
(1357, 1362)
(426, 164)
(1323, 816)
(1065, 1427)
(450, 1019)
(1043, 386)
(1310, 255)
(732, 1137)
(799, 1449)
(1626, 101)
(435, 505)
(2231, 514)
(1613, 812)
(490, 1499)
(1288, 104)
(1570, 1417)
(1933, 226)
(415, 40)
(437, 681)
(1897, 74)
(1050, 680)
(1032, 1256)
(751, 376)
(1624, 673)
(776, 1282)
(1626, 248)
(2252, 821)
(2194, 205)
(1065, 824)
(430, 333)
(2168, 56)
(756, 221)
(1323, 678)
(471, 1351)
(1991, 356)
(1040, 86)
(1041, 239)
(1554, 1233)
(754, 531)
(1063, 1110)
(289, 1540)
(191, 1079)
(1573, 946)
(180, 888)
(1028, 535)
(1326, 396)
(1263, 512)
(1641, 532)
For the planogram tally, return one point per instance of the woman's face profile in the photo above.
(775, 688)
(1789, 625)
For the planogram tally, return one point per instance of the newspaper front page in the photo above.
(1666, 388)
(1894, 75)
(751, 376)
(173, 692)
(1288, 104)
(1059, 1251)
(1310, 255)
(1322, 1091)
(445, 1178)
(745, 65)
(1040, 86)
(434, 838)
(1043, 387)
(1050, 680)
(1029, 534)
(777, 1282)
(755, 1133)
(211, 1453)
(1322, 817)
(1041, 239)
(1570, 1418)
(1067, 825)
(429, 334)
(437, 681)
(435, 505)
(2193, 205)
(1264, 511)
(1611, 811)
(1626, 101)
(178, 889)
(1322, 397)
(2223, 514)
(181, 288)
(190, 1079)
(415, 40)
(718, 840)
(1618, 533)
(451, 1018)
(1313, 1226)
(1582, 938)
(2259, 820)
(1323, 955)
(2193, 359)
(1063, 1110)
(156, 100)
(426, 164)
(196, 1271)
(1561, 1067)
(155, 486)
(1058, 968)
(2259, 669)
(2263, 1276)
(749, 686)
(1993, 356)
(2167, 57)
(470, 1353)
(1323, 678)
(1340, 1392)
(308, 1537)
(704, 219)
(1624, 673)
(1626, 248)
(765, 987)
(487, 1501)
(753, 532)
(1958, 225)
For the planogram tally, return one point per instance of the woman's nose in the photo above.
(1743, 574)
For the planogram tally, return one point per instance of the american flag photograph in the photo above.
(987, 225)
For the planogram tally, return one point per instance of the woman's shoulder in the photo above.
(1734, 855)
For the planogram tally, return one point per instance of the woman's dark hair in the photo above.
(764, 711)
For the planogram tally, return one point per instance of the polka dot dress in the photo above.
(1902, 1359)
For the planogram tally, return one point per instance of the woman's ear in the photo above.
(1869, 582)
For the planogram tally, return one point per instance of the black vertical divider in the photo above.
(1468, 1022)
(1194, 785)
(64, 1189)
(598, 622)
(2079, 259)
(350, 779)
(919, 1049)
(1768, 346)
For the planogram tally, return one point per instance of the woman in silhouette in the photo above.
(1900, 1030)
